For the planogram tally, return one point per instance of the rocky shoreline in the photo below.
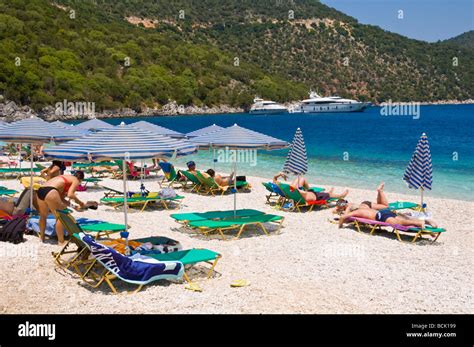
(10, 111)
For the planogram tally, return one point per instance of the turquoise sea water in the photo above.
(378, 147)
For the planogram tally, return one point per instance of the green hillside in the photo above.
(86, 58)
(465, 40)
(132, 53)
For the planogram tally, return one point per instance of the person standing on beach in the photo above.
(56, 169)
(52, 196)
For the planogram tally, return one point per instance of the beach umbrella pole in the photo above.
(421, 195)
(32, 191)
(125, 196)
(235, 188)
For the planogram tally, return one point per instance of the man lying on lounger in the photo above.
(224, 180)
(301, 184)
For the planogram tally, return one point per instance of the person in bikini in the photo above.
(52, 196)
(381, 202)
(377, 211)
(301, 184)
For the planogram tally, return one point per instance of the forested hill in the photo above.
(464, 40)
(132, 53)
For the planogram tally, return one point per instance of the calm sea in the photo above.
(377, 148)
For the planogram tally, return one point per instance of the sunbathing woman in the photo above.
(386, 216)
(301, 184)
(52, 196)
(381, 202)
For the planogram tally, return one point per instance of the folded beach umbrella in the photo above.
(36, 131)
(297, 160)
(94, 124)
(206, 130)
(419, 172)
(125, 142)
(237, 138)
(158, 129)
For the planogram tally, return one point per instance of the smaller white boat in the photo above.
(261, 106)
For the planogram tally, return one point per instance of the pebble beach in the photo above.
(311, 266)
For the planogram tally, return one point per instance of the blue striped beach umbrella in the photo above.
(158, 129)
(114, 143)
(71, 126)
(297, 159)
(35, 130)
(94, 124)
(206, 130)
(237, 138)
(419, 172)
(125, 142)
(203, 131)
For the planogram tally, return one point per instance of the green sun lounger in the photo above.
(78, 251)
(93, 180)
(110, 192)
(196, 185)
(16, 172)
(72, 227)
(214, 215)
(210, 185)
(8, 192)
(170, 174)
(190, 257)
(219, 226)
(95, 164)
(117, 202)
(102, 229)
(400, 205)
(298, 200)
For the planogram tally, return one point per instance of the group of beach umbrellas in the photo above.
(98, 140)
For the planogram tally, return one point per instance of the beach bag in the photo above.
(167, 193)
(241, 179)
(13, 230)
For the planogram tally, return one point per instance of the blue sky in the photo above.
(428, 20)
